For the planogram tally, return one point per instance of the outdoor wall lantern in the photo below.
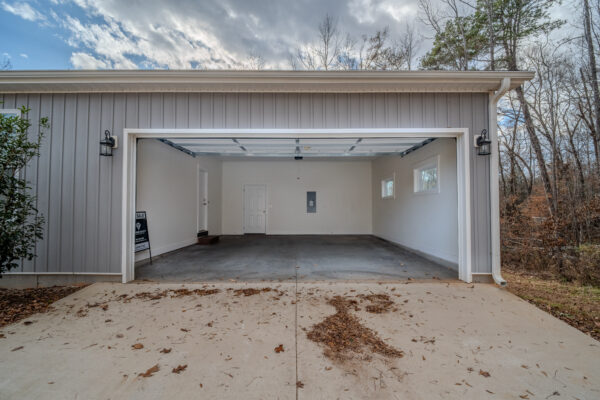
(484, 144)
(108, 144)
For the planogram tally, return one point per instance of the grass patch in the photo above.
(577, 305)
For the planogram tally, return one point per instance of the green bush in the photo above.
(20, 224)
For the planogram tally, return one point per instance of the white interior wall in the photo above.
(343, 195)
(427, 223)
(167, 189)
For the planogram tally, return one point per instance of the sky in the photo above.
(180, 34)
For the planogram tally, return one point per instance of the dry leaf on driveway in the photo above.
(179, 369)
(149, 372)
(137, 346)
(279, 349)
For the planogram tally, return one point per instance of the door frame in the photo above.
(199, 208)
(244, 205)
(463, 149)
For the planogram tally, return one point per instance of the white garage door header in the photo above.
(297, 147)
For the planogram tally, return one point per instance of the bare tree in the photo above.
(377, 53)
(593, 70)
(431, 16)
(325, 53)
(336, 50)
(489, 8)
(519, 20)
(293, 62)
(409, 44)
(254, 62)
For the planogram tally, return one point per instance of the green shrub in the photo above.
(20, 224)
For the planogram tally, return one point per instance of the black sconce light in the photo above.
(484, 144)
(107, 144)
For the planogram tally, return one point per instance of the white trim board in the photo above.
(266, 81)
(462, 156)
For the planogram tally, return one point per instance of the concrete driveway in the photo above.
(458, 341)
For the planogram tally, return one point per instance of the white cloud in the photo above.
(23, 10)
(207, 33)
(24, 55)
(86, 61)
(176, 44)
(211, 34)
(399, 11)
(362, 11)
(373, 11)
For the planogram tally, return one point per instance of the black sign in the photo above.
(142, 239)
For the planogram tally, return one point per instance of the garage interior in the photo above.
(297, 208)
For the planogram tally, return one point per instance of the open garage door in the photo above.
(339, 201)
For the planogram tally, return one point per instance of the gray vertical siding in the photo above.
(79, 192)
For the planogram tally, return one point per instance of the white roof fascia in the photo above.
(83, 81)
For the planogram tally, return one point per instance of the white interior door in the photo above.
(202, 200)
(255, 208)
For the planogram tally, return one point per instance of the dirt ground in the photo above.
(416, 340)
(577, 305)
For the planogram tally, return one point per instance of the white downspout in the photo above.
(494, 183)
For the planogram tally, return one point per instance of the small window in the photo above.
(387, 188)
(426, 176)
(10, 112)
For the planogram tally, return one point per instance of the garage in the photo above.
(299, 208)
(307, 175)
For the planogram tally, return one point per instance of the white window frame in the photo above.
(383, 183)
(11, 111)
(426, 164)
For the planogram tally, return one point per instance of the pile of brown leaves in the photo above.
(147, 296)
(197, 292)
(380, 303)
(251, 291)
(344, 336)
(174, 293)
(16, 304)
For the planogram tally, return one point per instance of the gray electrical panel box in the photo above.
(311, 202)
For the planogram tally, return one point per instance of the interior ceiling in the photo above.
(300, 147)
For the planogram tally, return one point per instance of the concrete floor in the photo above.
(449, 332)
(312, 257)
